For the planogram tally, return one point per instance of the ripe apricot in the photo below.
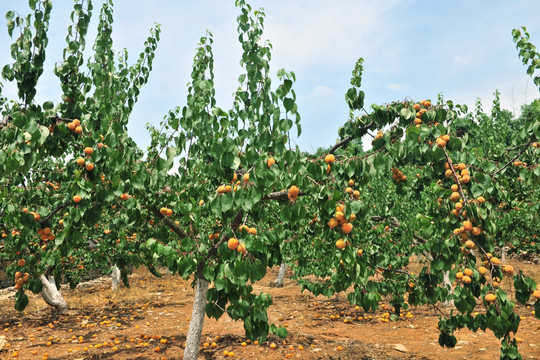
(163, 210)
(340, 244)
(221, 189)
(459, 275)
(467, 225)
(124, 197)
(332, 223)
(78, 130)
(21, 262)
(356, 193)
(416, 107)
(245, 178)
(169, 212)
(329, 159)
(89, 167)
(77, 199)
(440, 142)
(490, 297)
(346, 228)
(232, 243)
(468, 272)
(293, 192)
(241, 248)
(80, 161)
(270, 162)
(466, 279)
(88, 150)
(476, 231)
(228, 188)
(71, 126)
(454, 197)
(536, 294)
(482, 270)
(446, 138)
(508, 269)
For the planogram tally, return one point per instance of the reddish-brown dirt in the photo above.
(150, 321)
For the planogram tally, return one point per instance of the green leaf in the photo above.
(21, 300)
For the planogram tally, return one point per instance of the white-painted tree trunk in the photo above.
(281, 276)
(447, 284)
(51, 295)
(504, 249)
(193, 339)
(115, 277)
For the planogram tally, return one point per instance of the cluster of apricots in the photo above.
(225, 189)
(351, 191)
(75, 126)
(46, 234)
(89, 166)
(293, 193)
(340, 219)
(166, 211)
(420, 111)
(235, 244)
(398, 176)
(462, 173)
(21, 279)
(379, 135)
(442, 140)
(329, 160)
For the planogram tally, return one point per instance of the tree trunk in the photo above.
(503, 254)
(51, 295)
(281, 276)
(447, 284)
(193, 339)
(115, 277)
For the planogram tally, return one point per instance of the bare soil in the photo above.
(150, 321)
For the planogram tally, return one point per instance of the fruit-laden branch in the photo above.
(51, 214)
(213, 250)
(526, 146)
(7, 119)
(171, 224)
(280, 195)
(348, 139)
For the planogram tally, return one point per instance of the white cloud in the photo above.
(321, 91)
(396, 87)
(461, 59)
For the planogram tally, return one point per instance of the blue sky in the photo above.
(412, 49)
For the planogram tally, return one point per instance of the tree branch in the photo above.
(348, 139)
(526, 146)
(51, 214)
(171, 224)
